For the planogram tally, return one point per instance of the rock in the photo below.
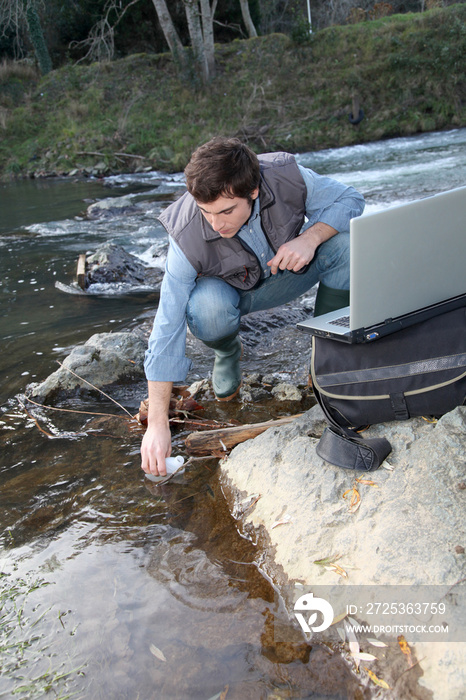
(111, 206)
(286, 392)
(113, 264)
(404, 532)
(104, 359)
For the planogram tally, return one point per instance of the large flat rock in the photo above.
(409, 528)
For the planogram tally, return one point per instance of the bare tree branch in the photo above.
(101, 39)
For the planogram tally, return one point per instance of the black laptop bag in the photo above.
(417, 371)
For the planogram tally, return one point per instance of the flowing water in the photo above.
(151, 591)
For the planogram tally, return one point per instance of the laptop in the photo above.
(407, 264)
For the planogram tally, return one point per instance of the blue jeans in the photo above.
(215, 308)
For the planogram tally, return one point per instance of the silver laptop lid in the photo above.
(407, 257)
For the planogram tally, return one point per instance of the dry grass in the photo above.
(3, 117)
(17, 69)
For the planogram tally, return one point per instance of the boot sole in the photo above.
(232, 396)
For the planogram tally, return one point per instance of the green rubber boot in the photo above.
(329, 299)
(226, 375)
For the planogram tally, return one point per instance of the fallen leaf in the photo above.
(404, 646)
(355, 501)
(367, 482)
(286, 519)
(430, 419)
(365, 657)
(339, 570)
(336, 570)
(339, 618)
(327, 560)
(387, 466)
(352, 643)
(342, 633)
(250, 501)
(158, 653)
(376, 642)
(377, 681)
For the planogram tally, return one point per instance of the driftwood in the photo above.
(212, 441)
(81, 271)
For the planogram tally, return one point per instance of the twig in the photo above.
(408, 669)
(96, 388)
(186, 497)
(34, 419)
(129, 155)
(98, 154)
(72, 410)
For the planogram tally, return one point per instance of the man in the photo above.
(251, 233)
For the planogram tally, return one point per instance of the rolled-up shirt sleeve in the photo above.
(165, 359)
(330, 201)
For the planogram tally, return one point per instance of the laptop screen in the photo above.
(407, 257)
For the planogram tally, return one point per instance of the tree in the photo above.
(199, 16)
(249, 24)
(17, 13)
(170, 33)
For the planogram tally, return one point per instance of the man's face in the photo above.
(226, 215)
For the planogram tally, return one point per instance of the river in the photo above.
(151, 593)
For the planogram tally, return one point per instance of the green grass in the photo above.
(406, 70)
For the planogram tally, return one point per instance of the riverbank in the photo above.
(404, 72)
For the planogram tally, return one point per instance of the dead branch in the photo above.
(223, 439)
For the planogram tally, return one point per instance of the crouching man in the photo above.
(251, 233)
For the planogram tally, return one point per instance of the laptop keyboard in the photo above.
(342, 321)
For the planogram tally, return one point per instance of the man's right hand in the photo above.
(155, 447)
(157, 441)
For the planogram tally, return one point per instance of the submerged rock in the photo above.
(104, 359)
(406, 530)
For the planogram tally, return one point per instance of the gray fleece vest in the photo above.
(282, 197)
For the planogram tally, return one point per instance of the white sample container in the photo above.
(172, 464)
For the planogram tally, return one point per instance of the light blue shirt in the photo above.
(327, 201)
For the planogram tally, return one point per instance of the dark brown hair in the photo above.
(222, 166)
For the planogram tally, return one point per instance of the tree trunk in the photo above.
(250, 28)
(170, 33)
(207, 14)
(37, 38)
(197, 40)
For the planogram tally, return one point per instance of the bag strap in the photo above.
(352, 452)
(345, 448)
